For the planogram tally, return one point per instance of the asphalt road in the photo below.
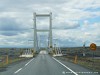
(44, 64)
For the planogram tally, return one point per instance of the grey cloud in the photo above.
(66, 26)
(24, 5)
(31, 1)
(8, 24)
(67, 43)
(9, 27)
(9, 33)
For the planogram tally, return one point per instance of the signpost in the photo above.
(84, 49)
(93, 48)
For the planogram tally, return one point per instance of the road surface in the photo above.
(44, 64)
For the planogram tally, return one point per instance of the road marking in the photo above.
(21, 68)
(63, 72)
(65, 66)
(79, 72)
(18, 70)
(28, 62)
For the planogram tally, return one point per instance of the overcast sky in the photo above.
(75, 22)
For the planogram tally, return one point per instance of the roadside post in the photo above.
(7, 56)
(93, 48)
(7, 59)
(75, 58)
(32, 51)
(84, 50)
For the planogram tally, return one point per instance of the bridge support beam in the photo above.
(43, 30)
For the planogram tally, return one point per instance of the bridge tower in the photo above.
(42, 30)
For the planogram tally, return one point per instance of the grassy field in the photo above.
(93, 64)
(13, 54)
(86, 62)
(3, 63)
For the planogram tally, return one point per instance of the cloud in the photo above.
(10, 27)
(9, 24)
(71, 21)
(66, 25)
(89, 34)
(8, 33)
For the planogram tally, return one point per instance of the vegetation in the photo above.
(13, 55)
(87, 62)
(93, 64)
(4, 63)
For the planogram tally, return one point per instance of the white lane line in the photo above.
(18, 70)
(28, 62)
(65, 66)
(21, 68)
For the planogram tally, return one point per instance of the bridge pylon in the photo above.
(42, 30)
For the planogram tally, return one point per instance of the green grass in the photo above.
(10, 61)
(91, 64)
(88, 63)
(85, 62)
